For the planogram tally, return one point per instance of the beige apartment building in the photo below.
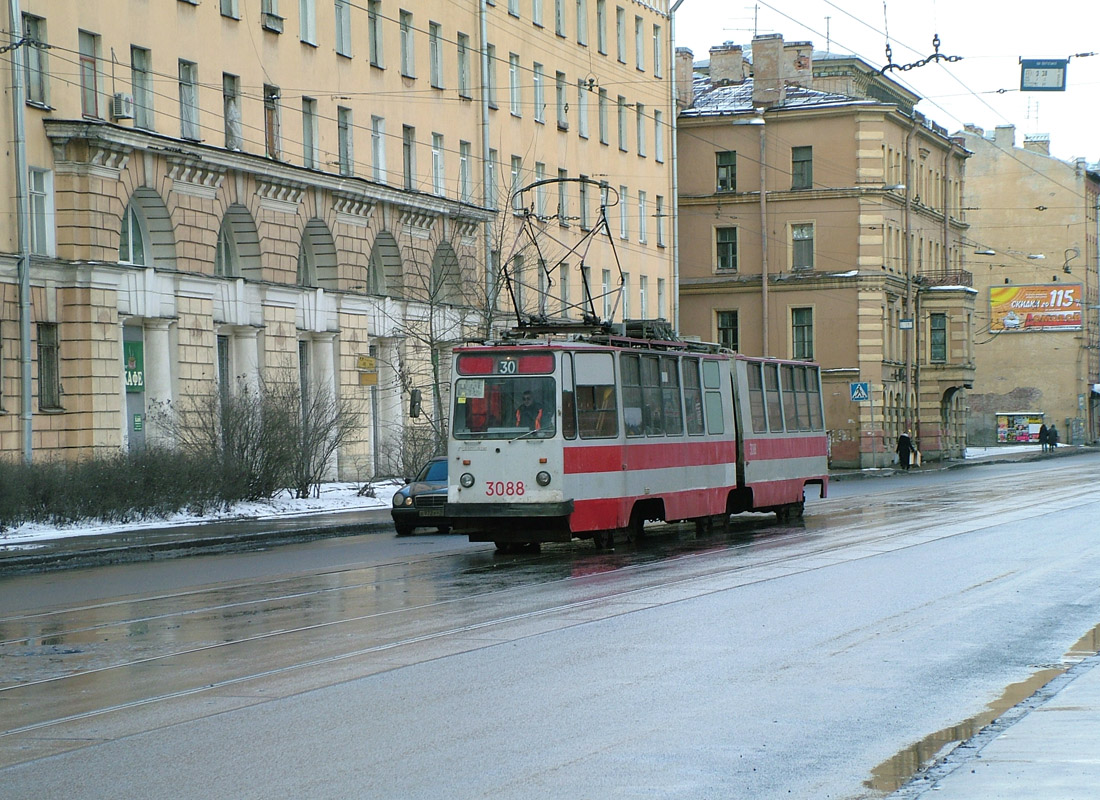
(1034, 233)
(223, 192)
(861, 263)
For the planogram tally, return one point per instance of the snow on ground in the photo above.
(982, 452)
(334, 497)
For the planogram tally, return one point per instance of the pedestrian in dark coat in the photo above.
(1044, 437)
(1052, 436)
(904, 450)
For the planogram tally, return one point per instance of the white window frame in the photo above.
(43, 216)
(621, 119)
(563, 198)
(639, 110)
(560, 101)
(582, 108)
(378, 148)
(36, 62)
(515, 97)
(439, 176)
(463, 76)
(89, 74)
(559, 17)
(231, 111)
(639, 43)
(374, 32)
(582, 23)
(643, 296)
(602, 102)
(141, 83)
(795, 232)
(273, 133)
(658, 61)
(540, 190)
(540, 93)
(435, 55)
(307, 22)
(408, 156)
(189, 100)
(624, 216)
(620, 34)
(643, 213)
(342, 20)
(517, 178)
(465, 187)
(310, 135)
(659, 213)
(601, 27)
(345, 138)
(408, 55)
(658, 136)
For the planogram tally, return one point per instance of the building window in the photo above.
(374, 32)
(726, 168)
(536, 12)
(514, 97)
(273, 136)
(36, 68)
(660, 214)
(89, 74)
(229, 8)
(491, 189)
(659, 136)
(802, 245)
(582, 108)
(465, 191)
(559, 17)
(435, 55)
(307, 21)
(189, 100)
(622, 123)
(463, 65)
(345, 141)
(49, 367)
(513, 7)
(583, 192)
(560, 101)
(802, 167)
(640, 111)
(378, 149)
(802, 333)
(342, 11)
(309, 133)
(231, 111)
(658, 69)
(131, 245)
(226, 263)
(517, 177)
(639, 42)
(727, 330)
(601, 26)
(643, 214)
(141, 81)
(540, 97)
(937, 338)
(408, 64)
(661, 298)
(582, 22)
(563, 198)
(438, 175)
(491, 78)
(40, 191)
(602, 113)
(605, 292)
(624, 217)
(540, 192)
(620, 34)
(408, 156)
(643, 296)
(726, 242)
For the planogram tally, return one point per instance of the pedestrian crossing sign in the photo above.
(860, 391)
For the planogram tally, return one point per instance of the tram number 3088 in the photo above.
(504, 488)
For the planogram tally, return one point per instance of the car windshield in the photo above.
(434, 471)
(504, 408)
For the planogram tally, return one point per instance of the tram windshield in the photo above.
(494, 407)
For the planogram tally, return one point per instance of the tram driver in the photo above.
(529, 414)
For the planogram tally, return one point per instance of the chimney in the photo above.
(1005, 136)
(685, 71)
(768, 85)
(727, 64)
(970, 127)
(1037, 143)
(800, 63)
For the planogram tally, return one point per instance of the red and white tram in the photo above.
(582, 435)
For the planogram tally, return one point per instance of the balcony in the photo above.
(955, 277)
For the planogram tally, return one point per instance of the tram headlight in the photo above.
(467, 480)
(543, 478)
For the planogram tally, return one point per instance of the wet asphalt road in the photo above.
(775, 661)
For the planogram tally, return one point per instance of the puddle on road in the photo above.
(891, 775)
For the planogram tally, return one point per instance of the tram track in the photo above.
(467, 611)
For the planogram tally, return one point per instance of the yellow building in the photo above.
(862, 254)
(1034, 252)
(221, 192)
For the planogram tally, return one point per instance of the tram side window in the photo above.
(712, 382)
(794, 402)
(756, 397)
(632, 395)
(568, 399)
(652, 413)
(771, 392)
(597, 406)
(693, 396)
(813, 391)
(670, 396)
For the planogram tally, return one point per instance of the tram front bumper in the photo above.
(512, 522)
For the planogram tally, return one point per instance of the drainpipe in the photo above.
(488, 189)
(764, 232)
(23, 212)
(910, 338)
(674, 228)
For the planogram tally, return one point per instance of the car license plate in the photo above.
(431, 512)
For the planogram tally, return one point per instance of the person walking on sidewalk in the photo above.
(904, 450)
(1044, 437)
(1052, 437)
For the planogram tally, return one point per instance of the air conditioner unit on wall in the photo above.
(122, 106)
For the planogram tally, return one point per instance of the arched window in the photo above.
(132, 247)
(307, 266)
(226, 263)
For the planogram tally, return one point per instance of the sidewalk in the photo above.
(1045, 748)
